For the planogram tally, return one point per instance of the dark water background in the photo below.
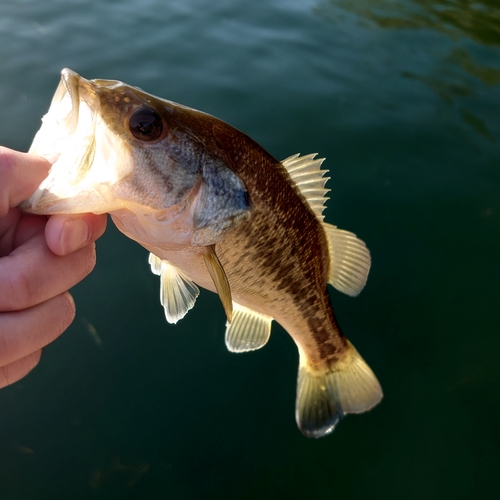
(403, 99)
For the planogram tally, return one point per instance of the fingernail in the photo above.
(75, 234)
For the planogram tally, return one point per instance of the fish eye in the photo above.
(146, 125)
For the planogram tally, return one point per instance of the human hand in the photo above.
(40, 259)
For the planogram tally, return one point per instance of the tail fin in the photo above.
(324, 397)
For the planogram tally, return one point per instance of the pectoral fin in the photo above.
(177, 293)
(248, 331)
(219, 278)
(155, 263)
(349, 260)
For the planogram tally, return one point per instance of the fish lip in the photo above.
(71, 81)
(74, 90)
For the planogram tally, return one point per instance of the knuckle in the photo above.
(7, 160)
(4, 347)
(19, 369)
(88, 259)
(4, 376)
(18, 290)
(7, 166)
(68, 310)
(59, 313)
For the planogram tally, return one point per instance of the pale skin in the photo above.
(41, 258)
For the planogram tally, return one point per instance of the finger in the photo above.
(18, 369)
(67, 233)
(8, 228)
(20, 175)
(32, 274)
(17, 228)
(24, 332)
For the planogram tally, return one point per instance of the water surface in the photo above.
(402, 98)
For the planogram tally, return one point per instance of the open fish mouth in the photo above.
(67, 139)
(116, 149)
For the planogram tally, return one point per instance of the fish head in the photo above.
(116, 149)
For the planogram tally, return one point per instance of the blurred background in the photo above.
(403, 100)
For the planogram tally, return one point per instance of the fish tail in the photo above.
(348, 385)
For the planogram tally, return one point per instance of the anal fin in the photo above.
(324, 397)
(177, 293)
(248, 331)
(350, 260)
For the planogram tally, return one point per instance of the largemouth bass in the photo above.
(217, 211)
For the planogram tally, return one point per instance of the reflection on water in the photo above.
(477, 124)
(489, 76)
(466, 23)
(446, 86)
(453, 85)
(478, 20)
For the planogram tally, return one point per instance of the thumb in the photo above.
(20, 175)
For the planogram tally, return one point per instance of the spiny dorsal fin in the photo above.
(349, 260)
(219, 278)
(248, 331)
(177, 293)
(325, 396)
(307, 176)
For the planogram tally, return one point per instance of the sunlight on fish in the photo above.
(216, 211)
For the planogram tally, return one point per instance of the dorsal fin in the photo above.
(307, 176)
(349, 257)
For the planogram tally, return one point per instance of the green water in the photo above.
(403, 100)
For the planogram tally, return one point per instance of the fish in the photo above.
(217, 211)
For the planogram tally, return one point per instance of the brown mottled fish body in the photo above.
(278, 262)
(215, 209)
